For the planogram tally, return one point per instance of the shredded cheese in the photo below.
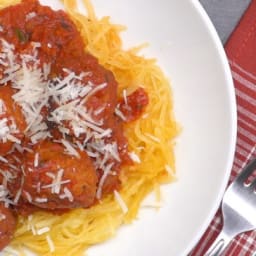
(50, 243)
(57, 181)
(28, 196)
(17, 196)
(125, 97)
(119, 113)
(3, 159)
(41, 200)
(43, 230)
(121, 202)
(36, 160)
(30, 15)
(69, 148)
(135, 158)
(2, 107)
(107, 170)
(67, 194)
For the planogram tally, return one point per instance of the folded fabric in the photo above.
(241, 53)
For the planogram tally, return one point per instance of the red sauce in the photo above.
(61, 45)
(134, 105)
(7, 225)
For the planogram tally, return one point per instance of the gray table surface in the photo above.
(225, 14)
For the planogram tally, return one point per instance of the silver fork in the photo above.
(238, 209)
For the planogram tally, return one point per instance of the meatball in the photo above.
(12, 122)
(7, 226)
(53, 179)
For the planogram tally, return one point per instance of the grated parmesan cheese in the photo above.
(42, 230)
(120, 114)
(16, 159)
(12, 138)
(7, 129)
(107, 170)
(51, 175)
(67, 194)
(50, 243)
(36, 160)
(27, 149)
(121, 202)
(70, 149)
(28, 196)
(99, 110)
(30, 15)
(3, 159)
(4, 194)
(17, 196)
(135, 158)
(79, 145)
(33, 230)
(18, 147)
(56, 181)
(93, 91)
(7, 177)
(2, 107)
(112, 150)
(125, 97)
(41, 200)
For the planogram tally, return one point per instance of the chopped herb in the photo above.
(22, 36)
(65, 25)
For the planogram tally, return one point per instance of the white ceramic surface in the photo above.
(186, 45)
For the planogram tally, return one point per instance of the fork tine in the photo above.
(248, 170)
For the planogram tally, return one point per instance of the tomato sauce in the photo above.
(134, 105)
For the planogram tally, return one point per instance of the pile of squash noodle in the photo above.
(151, 137)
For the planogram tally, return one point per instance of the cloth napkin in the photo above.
(225, 14)
(241, 53)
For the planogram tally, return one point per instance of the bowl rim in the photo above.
(233, 119)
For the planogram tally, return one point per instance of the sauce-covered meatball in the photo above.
(54, 179)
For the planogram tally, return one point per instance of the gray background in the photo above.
(225, 14)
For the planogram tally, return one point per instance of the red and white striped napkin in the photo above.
(241, 53)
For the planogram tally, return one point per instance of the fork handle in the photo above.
(219, 245)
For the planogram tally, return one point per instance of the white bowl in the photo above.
(188, 49)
